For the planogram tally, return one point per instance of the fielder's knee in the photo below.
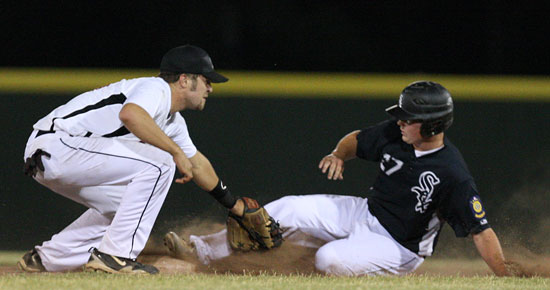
(161, 157)
(164, 161)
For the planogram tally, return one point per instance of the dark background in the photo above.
(494, 37)
(268, 148)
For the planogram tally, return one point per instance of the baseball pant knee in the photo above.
(328, 261)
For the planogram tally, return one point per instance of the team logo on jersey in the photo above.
(477, 207)
(426, 184)
(390, 164)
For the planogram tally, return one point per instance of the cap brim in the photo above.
(215, 77)
(399, 113)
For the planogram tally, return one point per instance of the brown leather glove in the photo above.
(255, 230)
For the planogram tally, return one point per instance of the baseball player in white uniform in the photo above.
(423, 182)
(115, 150)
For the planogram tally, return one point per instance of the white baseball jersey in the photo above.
(95, 113)
(98, 163)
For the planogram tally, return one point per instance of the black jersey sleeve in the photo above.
(463, 210)
(371, 140)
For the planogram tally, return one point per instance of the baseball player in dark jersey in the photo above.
(423, 182)
(115, 150)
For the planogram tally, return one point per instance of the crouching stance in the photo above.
(115, 150)
(423, 182)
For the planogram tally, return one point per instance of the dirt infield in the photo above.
(294, 260)
(290, 259)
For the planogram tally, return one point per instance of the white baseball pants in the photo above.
(123, 183)
(356, 242)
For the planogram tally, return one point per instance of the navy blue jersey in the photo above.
(412, 196)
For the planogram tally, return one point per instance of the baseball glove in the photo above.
(255, 230)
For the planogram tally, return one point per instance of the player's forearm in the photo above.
(488, 246)
(347, 146)
(138, 121)
(204, 174)
(206, 178)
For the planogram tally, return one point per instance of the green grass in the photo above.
(10, 258)
(204, 281)
(84, 280)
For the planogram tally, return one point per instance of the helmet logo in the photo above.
(419, 101)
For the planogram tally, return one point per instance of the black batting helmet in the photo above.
(428, 102)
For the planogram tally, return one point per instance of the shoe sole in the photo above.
(97, 266)
(177, 247)
(24, 267)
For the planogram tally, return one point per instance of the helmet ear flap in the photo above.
(431, 128)
(435, 126)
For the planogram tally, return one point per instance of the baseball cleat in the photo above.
(31, 262)
(101, 262)
(178, 247)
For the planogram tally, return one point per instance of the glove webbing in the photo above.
(254, 236)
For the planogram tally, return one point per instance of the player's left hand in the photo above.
(334, 165)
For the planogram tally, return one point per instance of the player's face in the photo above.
(197, 92)
(410, 131)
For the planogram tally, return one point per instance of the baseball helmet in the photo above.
(427, 102)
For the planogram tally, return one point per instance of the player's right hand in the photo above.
(334, 165)
(184, 167)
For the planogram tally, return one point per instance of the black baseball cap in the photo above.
(190, 59)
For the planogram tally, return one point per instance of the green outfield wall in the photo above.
(266, 142)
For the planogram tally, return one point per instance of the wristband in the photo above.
(222, 194)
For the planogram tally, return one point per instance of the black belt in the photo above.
(40, 132)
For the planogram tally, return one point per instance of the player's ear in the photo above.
(183, 80)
